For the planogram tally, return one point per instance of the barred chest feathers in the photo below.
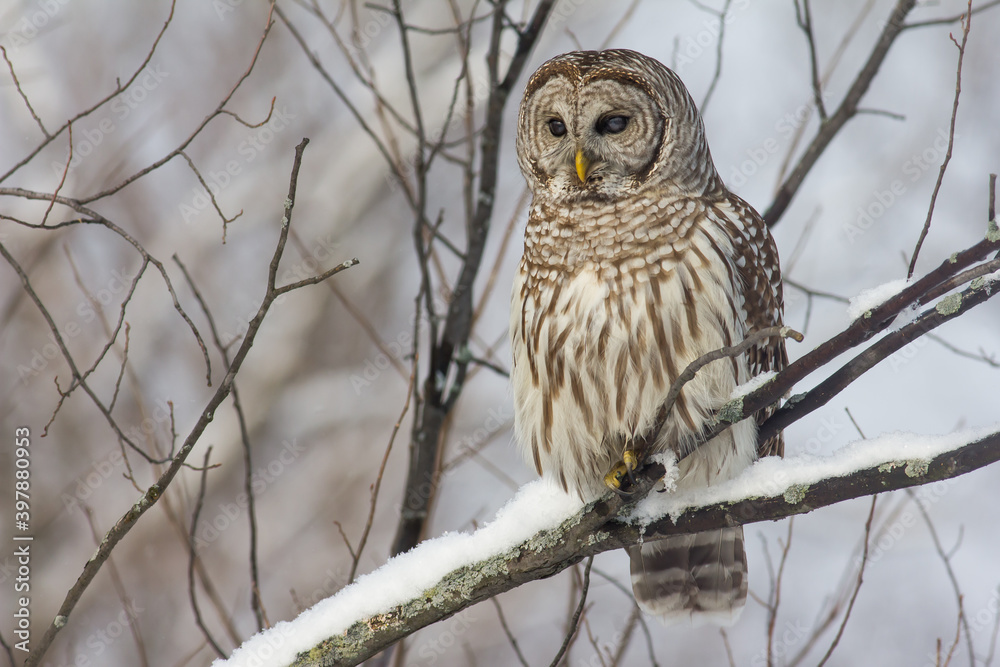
(608, 307)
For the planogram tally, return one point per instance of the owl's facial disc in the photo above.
(592, 138)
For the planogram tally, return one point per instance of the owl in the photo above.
(637, 261)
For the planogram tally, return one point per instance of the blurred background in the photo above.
(329, 373)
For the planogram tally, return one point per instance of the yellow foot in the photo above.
(616, 476)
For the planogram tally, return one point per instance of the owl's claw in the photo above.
(624, 468)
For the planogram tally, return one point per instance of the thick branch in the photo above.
(598, 528)
(449, 351)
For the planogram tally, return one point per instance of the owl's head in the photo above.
(608, 125)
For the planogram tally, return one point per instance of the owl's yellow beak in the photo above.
(582, 164)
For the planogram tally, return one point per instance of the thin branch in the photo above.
(772, 611)
(857, 585)
(951, 19)
(958, 637)
(356, 555)
(201, 126)
(575, 621)
(256, 605)
(119, 89)
(946, 560)
(116, 579)
(510, 635)
(192, 557)
(17, 85)
(155, 491)
(966, 25)
(847, 109)
(803, 17)
(622, 22)
(721, 15)
(626, 636)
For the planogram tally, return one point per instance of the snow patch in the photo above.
(873, 297)
(537, 506)
(793, 475)
(753, 384)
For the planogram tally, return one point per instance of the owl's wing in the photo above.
(760, 274)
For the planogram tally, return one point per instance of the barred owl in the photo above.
(637, 261)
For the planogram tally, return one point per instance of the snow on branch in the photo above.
(542, 531)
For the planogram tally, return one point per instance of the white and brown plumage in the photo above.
(637, 261)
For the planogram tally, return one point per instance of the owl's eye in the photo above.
(557, 127)
(612, 124)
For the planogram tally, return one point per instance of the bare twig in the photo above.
(219, 110)
(128, 609)
(17, 86)
(966, 25)
(634, 616)
(803, 16)
(953, 18)
(119, 89)
(256, 604)
(960, 621)
(192, 558)
(510, 635)
(857, 586)
(772, 611)
(155, 491)
(575, 621)
(721, 15)
(963, 623)
(356, 555)
(847, 109)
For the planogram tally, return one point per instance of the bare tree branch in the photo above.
(966, 25)
(847, 110)
(155, 491)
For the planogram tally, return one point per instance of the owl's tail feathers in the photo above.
(700, 578)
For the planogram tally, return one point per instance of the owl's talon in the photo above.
(624, 468)
(613, 480)
(631, 463)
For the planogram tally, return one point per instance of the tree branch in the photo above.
(779, 489)
(155, 491)
(847, 110)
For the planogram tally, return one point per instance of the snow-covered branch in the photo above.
(543, 531)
